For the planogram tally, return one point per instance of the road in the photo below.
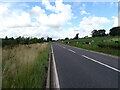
(79, 68)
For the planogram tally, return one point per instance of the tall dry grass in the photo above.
(19, 63)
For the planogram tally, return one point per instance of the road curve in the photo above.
(78, 68)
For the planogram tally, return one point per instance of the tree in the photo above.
(115, 31)
(22, 40)
(66, 38)
(94, 33)
(86, 37)
(42, 39)
(98, 33)
(101, 32)
(6, 38)
(76, 37)
(49, 39)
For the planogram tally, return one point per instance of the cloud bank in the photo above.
(36, 22)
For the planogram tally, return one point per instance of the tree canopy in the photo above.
(22, 40)
(76, 37)
(115, 31)
(98, 33)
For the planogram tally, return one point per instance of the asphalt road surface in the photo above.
(79, 68)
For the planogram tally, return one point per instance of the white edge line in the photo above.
(102, 63)
(71, 50)
(56, 74)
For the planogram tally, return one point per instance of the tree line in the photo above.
(115, 31)
(22, 40)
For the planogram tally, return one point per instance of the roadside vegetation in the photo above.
(100, 42)
(25, 66)
(23, 40)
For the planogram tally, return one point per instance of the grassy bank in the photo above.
(109, 45)
(25, 66)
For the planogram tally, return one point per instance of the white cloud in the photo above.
(37, 11)
(62, 15)
(47, 5)
(69, 23)
(37, 23)
(4, 11)
(88, 24)
(34, 22)
(22, 20)
(84, 12)
(70, 33)
(115, 21)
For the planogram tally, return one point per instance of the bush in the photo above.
(86, 42)
(21, 40)
(109, 45)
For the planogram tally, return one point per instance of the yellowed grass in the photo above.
(20, 56)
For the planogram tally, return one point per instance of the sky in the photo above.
(56, 19)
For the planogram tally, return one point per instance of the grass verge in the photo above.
(25, 66)
(108, 44)
(109, 51)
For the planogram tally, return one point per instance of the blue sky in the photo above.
(56, 20)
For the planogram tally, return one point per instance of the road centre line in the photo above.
(96, 52)
(108, 66)
(101, 63)
(63, 47)
(71, 50)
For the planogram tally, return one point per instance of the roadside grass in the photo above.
(25, 66)
(110, 51)
(109, 45)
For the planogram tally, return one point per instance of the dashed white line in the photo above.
(102, 63)
(64, 47)
(71, 50)
(96, 52)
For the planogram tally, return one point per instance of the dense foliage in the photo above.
(98, 33)
(23, 40)
(115, 31)
(76, 37)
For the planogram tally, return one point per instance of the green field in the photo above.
(25, 66)
(108, 44)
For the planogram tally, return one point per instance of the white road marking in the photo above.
(102, 63)
(64, 47)
(56, 74)
(71, 50)
(96, 52)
